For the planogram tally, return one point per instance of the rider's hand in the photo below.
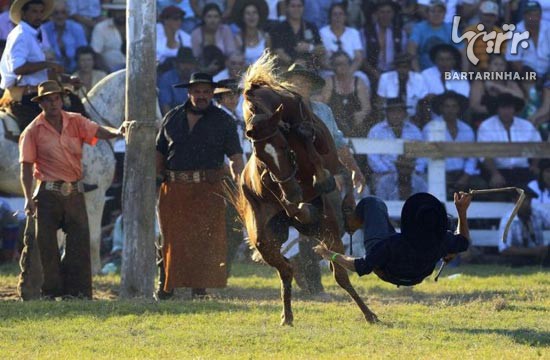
(30, 207)
(462, 201)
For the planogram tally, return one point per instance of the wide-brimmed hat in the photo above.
(422, 217)
(392, 103)
(238, 8)
(198, 78)
(298, 69)
(446, 47)
(48, 87)
(505, 99)
(171, 11)
(15, 9)
(438, 101)
(227, 85)
(115, 5)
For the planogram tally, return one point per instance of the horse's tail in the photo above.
(236, 197)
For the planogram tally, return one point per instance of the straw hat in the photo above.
(48, 87)
(15, 9)
(227, 85)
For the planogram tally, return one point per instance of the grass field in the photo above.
(486, 312)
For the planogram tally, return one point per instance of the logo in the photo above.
(493, 39)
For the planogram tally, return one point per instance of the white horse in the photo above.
(105, 105)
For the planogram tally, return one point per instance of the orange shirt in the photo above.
(57, 156)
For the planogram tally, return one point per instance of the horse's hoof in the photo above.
(286, 322)
(371, 318)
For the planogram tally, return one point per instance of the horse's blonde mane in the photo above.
(264, 72)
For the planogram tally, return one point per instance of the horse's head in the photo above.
(266, 131)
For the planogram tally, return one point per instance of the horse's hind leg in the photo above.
(342, 278)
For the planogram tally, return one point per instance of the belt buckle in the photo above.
(196, 177)
(65, 188)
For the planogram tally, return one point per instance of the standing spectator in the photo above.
(85, 70)
(212, 32)
(295, 36)
(403, 83)
(459, 172)
(338, 37)
(385, 39)
(396, 177)
(537, 54)
(191, 145)
(170, 38)
(50, 150)
(85, 12)
(506, 127)
(190, 21)
(250, 16)
(447, 61)
(64, 36)
(347, 96)
(109, 37)
(23, 65)
(184, 65)
(541, 186)
(484, 92)
(525, 242)
(428, 33)
(488, 18)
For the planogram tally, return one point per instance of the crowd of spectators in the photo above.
(384, 63)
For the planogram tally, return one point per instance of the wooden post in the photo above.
(138, 256)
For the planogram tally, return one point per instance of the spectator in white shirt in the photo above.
(537, 54)
(446, 59)
(396, 177)
(506, 127)
(169, 36)
(460, 172)
(109, 37)
(403, 83)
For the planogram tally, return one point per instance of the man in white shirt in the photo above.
(109, 37)
(403, 83)
(396, 177)
(446, 59)
(23, 65)
(506, 127)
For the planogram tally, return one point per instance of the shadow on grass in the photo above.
(529, 337)
(484, 271)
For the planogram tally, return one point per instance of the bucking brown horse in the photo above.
(289, 178)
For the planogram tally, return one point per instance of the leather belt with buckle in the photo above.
(194, 176)
(63, 187)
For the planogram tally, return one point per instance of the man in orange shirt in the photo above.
(50, 150)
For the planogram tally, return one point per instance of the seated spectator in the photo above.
(317, 12)
(428, 33)
(85, 70)
(250, 16)
(541, 186)
(347, 96)
(403, 83)
(484, 92)
(385, 39)
(542, 117)
(460, 172)
(524, 244)
(338, 37)
(488, 18)
(85, 12)
(396, 177)
(537, 54)
(212, 60)
(234, 67)
(212, 32)
(295, 36)
(184, 65)
(506, 127)
(190, 22)
(447, 60)
(450, 5)
(170, 38)
(225, 6)
(64, 36)
(109, 37)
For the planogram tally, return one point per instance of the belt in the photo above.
(194, 176)
(63, 187)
